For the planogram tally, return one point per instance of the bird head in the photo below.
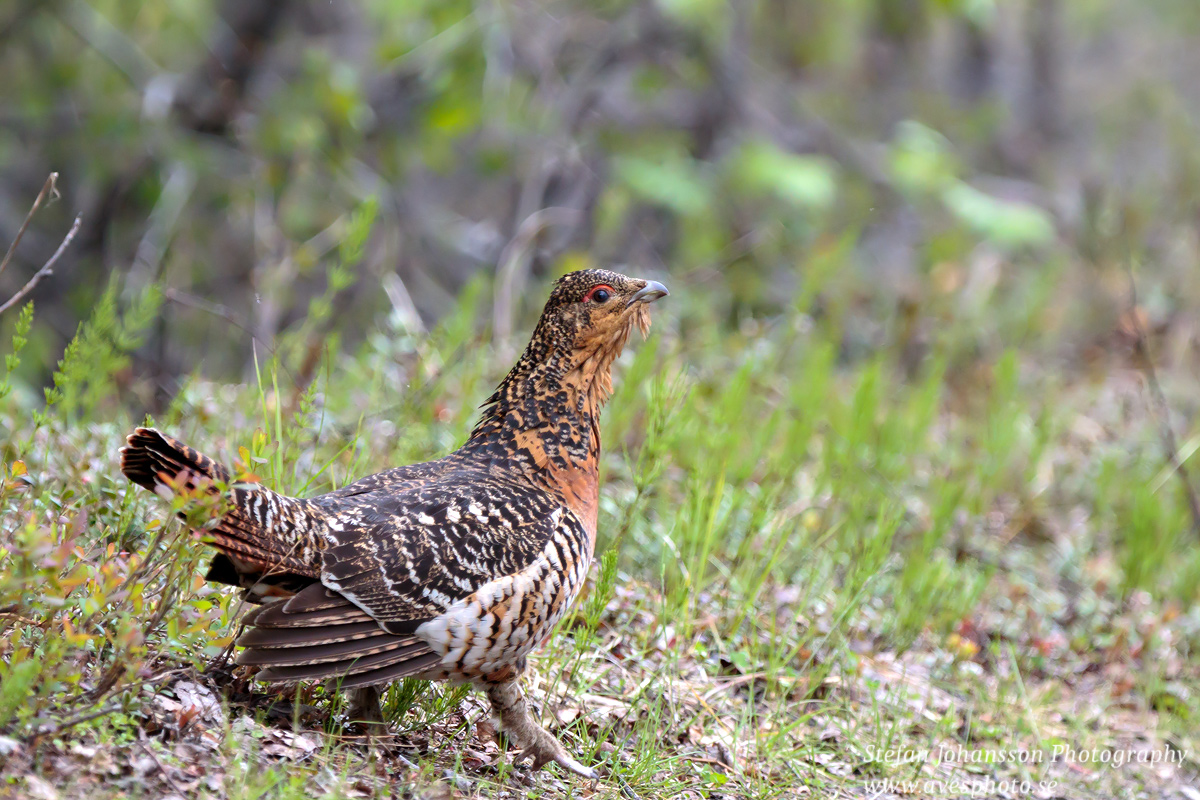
(567, 364)
(595, 310)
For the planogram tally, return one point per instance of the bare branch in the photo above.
(46, 269)
(49, 187)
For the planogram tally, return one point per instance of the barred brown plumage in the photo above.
(454, 569)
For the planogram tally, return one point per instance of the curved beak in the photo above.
(648, 294)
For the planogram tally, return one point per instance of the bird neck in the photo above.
(543, 421)
(544, 418)
(546, 411)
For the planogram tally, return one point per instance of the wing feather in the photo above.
(406, 556)
(320, 634)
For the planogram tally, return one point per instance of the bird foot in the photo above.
(365, 713)
(546, 749)
(537, 745)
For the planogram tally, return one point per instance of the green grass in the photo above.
(806, 557)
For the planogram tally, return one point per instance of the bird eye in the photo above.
(600, 294)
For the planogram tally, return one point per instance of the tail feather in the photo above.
(409, 660)
(266, 538)
(320, 634)
(413, 666)
(261, 531)
(344, 645)
(149, 455)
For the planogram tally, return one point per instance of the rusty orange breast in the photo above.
(579, 486)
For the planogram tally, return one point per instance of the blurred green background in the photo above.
(918, 166)
(914, 404)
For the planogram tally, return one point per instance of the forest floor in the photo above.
(820, 578)
(659, 720)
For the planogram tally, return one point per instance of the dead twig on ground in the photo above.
(1158, 404)
(162, 769)
(56, 728)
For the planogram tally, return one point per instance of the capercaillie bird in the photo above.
(454, 569)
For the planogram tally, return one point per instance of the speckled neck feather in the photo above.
(557, 388)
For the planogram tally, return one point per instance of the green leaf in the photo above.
(808, 181)
(672, 182)
(1006, 223)
(695, 12)
(920, 158)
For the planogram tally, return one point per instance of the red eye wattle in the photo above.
(599, 294)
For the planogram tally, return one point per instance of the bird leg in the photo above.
(364, 708)
(508, 703)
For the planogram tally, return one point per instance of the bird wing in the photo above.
(405, 554)
(400, 553)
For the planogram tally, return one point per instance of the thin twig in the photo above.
(162, 770)
(218, 310)
(1159, 406)
(127, 689)
(71, 722)
(626, 789)
(48, 187)
(23, 620)
(46, 269)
